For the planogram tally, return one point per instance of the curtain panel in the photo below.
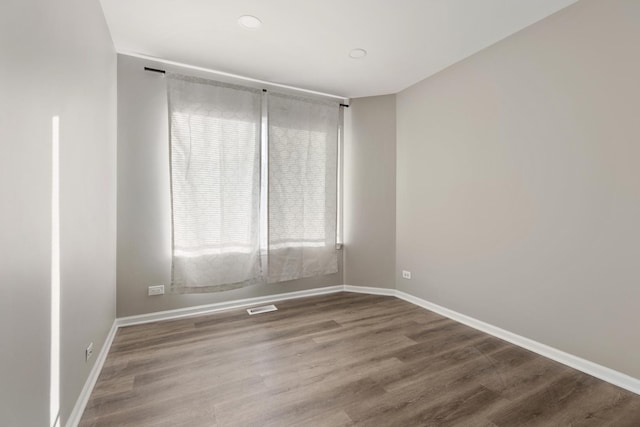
(215, 184)
(303, 149)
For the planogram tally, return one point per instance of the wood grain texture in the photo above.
(340, 360)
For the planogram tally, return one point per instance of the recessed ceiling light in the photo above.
(357, 53)
(249, 22)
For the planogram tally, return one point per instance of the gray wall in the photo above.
(518, 184)
(144, 221)
(57, 59)
(370, 192)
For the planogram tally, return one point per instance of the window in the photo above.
(219, 190)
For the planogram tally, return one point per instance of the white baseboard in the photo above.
(606, 374)
(370, 290)
(221, 306)
(81, 403)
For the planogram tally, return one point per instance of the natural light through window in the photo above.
(298, 158)
(253, 185)
(216, 221)
(54, 392)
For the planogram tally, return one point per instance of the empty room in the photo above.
(320, 213)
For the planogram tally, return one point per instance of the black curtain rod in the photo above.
(156, 70)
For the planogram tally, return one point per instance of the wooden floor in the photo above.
(337, 360)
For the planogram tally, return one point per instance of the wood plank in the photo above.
(337, 360)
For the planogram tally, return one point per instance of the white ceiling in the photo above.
(305, 43)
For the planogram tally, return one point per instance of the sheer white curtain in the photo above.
(303, 147)
(215, 184)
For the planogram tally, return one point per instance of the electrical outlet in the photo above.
(88, 352)
(156, 290)
(406, 274)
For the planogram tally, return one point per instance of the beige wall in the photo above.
(57, 59)
(519, 184)
(370, 192)
(144, 214)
